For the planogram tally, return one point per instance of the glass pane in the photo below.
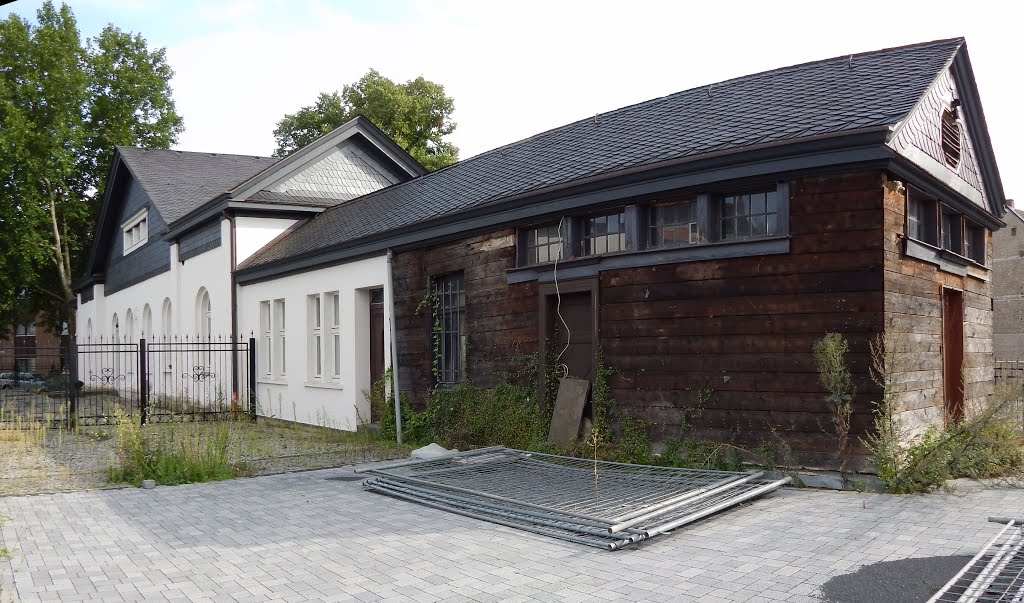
(772, 204)
(742, 228)
(773, 225)
(757, 203)
(757, 226)
(742, 206)
(728, 229)
(728, 207)
(337, 355)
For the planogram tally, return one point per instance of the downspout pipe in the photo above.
(235, 337)
(389, 299)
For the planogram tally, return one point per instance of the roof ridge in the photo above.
(124, 148)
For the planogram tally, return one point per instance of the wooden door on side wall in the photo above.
(376, 340)
(953, 354)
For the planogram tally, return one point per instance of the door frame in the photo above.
(546, 319)
(953, 405)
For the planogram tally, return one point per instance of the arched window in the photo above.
(88, 330)
(147, 322)
(204, 325)
(115, 328)
(129, 325)
(166, 325)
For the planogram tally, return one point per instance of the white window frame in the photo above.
(268, 339)
(281, 337)
(135, 231)
(315, 349)
(334, 351)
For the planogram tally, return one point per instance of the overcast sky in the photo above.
(522, 67)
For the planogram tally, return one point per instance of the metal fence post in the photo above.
(72, 381)
(143, 383)
(252, 377)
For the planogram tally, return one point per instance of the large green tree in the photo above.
(64, 105)
(416, 114)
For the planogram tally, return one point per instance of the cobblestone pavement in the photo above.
(300, 537)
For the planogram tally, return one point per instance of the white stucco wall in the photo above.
(253, 233)
(296, 396)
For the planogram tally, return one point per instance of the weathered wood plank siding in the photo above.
(501, 319)
(738, 332)
(913, 323)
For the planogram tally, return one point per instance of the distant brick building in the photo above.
(1008, 287)
(31, 348)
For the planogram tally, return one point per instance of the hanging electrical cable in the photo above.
(559, 366)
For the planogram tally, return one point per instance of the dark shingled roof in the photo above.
(843, 94)
(180, 181)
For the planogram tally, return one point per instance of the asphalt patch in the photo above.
(906, 580)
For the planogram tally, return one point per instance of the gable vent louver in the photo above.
(951, 137)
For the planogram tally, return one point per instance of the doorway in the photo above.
(570, 326)
(953, 354)
(376, 341)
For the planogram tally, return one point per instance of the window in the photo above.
(951, 140)
(147, 321)
(674, 225)
(952, 232)
(280, 330)
(268, 338)
(334, 306)
(129, 325)
(749, 216)
(974, 242)
(88, 330)
(921, 223)
(604, 234)
(449, 328)
(166, 324)
(542, 244)
(315, 353)
(136, 231)
(204, 314)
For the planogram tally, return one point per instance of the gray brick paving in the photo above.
(297, 537)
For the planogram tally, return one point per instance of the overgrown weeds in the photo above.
(829, 359)
(986, 444)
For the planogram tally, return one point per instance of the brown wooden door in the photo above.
(953, 354)
(577, 312)
(376, 339)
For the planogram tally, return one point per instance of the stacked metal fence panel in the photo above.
(596, 503)
(996, 573)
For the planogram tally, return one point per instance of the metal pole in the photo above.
(984, 550)
(732, 502)
(389, 300)
(143, 383)
(252, 377)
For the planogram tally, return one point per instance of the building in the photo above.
(703, 241)
(1008, 289)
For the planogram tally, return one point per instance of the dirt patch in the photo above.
(906, 580)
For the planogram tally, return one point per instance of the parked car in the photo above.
(21, 380)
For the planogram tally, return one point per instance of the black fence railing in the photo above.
(98, 381)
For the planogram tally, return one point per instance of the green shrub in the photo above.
(468, 416)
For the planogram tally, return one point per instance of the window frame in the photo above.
(135, 231)
(448, 329)
(928, 221)
(280, 336)
(267, 334)
(334, 351)
(315, 350)
(585, 239)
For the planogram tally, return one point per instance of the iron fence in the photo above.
(97, 381)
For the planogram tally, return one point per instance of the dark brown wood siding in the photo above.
(501, 319)
(739, 332)
(913, 322)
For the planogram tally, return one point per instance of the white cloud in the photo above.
(516, 69)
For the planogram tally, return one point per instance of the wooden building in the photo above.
(703, 242)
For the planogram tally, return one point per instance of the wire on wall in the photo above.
(559, 365)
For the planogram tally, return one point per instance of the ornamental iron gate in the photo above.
(95, 382)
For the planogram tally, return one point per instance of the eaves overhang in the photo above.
(862, 149)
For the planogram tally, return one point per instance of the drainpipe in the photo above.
(389, 300)
(234, 309)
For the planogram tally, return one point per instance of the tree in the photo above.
(416, 115)
(63, 108)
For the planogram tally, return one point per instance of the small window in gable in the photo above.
(136, 231)
(951, 139)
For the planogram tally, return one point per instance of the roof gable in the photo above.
(868, 92)
(179, 182)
